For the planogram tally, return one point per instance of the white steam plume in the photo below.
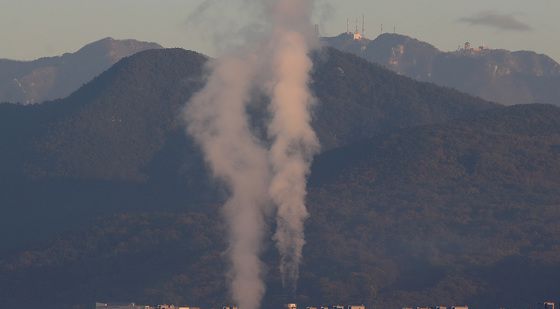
(217, 120)
(275, 62)
(294, 141)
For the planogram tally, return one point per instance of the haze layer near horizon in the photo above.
(30, 29)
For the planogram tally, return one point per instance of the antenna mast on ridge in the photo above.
(363, 24)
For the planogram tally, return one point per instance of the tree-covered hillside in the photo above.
(421, 196)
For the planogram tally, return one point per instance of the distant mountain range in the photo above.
(29, 82)
(422, 195)
(493, 74)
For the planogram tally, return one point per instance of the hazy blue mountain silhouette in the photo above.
(50, 78)
(494, 74)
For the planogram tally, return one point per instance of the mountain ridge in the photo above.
(49, 78)
(350, 94)
(494, 74)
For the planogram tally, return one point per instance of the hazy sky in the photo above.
(35, 28)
